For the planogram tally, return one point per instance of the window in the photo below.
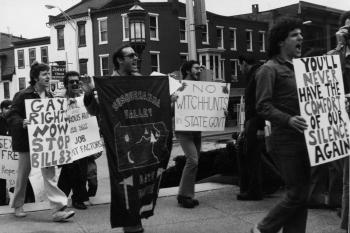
(7, 90)
(233, 39)
(261, 41)
(21, 83)
(234, 66)
(220, 36)
(155, 61)
(249, 39)
(102, 28)
(183, 57)
(205, 34)
(104, 64)
(81, 33)
(60, 38)
(83, 66)
(153, 26)
(32, 56)
(44, 55)
(222, 66)
(125, 20)
(20, 55)
(183, 33)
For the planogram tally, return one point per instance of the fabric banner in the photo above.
(322, 105)
(60, 132)
(136, 125)
(201, 106)
(8, 161)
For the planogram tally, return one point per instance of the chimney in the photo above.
(255, 8)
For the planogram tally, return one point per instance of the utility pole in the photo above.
(191, 33)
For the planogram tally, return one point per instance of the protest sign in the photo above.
(136, 125)
(8, 161)
(201, 106)
(60, 133)
(322, 104)
(83, 131)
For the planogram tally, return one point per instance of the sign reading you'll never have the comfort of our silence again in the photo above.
(322, 105)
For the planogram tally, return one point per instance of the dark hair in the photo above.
(343, 17)
(247, 58)
(119, 54)
(35, 70)
(187, 66)
(5, 104)
(69, 74)
(279, 32)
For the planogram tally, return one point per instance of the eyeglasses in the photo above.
(131, 55)
(73, 81)
(197, 67)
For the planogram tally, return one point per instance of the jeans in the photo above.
(191, 145)
(290, 214)
(56, 197)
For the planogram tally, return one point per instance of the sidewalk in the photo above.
(218, 212)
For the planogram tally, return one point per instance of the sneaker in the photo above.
(19, 212)
(62, 215)
(187, 202)
(79, 205)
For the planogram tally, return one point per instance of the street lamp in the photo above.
(137, 18)
(75, 28)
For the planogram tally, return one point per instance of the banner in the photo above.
(8, 161)
(59, 132)
(201, 106)
(136, 125)
(322, 105)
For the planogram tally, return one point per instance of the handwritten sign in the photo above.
(322, 105)
(83, 130)
(201, 106)
(60, 133)
(8, 161)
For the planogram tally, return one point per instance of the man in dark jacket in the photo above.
(250, 161)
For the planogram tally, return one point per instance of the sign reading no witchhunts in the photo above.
(56, 138)
(8, 161)
(135, 126)
(322, 105)
(201, 106)
(83, 130)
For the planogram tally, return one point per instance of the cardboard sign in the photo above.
(136, 125)
(201, 106)
(322, 105)
(83, 131)
(57, 138)
(8, 161)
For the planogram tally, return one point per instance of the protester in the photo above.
(277, 102)
(5, 131)
(125, 64)
(190, 142)
(343, 50)
(39, 81)
(250, 160)
(73, 176)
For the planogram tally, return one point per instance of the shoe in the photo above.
(133, 229)
(79, 205)
(248, 197)
(19, 212)
(62, 215)
(187, 202)
(255, 230)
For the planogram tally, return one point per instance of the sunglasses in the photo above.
(131, 55)
(73, 81)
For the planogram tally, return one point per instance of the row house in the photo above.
(106, 27)
(25, 53)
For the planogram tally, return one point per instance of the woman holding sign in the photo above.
(39, 82)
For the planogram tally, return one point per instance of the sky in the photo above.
(29, 17)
